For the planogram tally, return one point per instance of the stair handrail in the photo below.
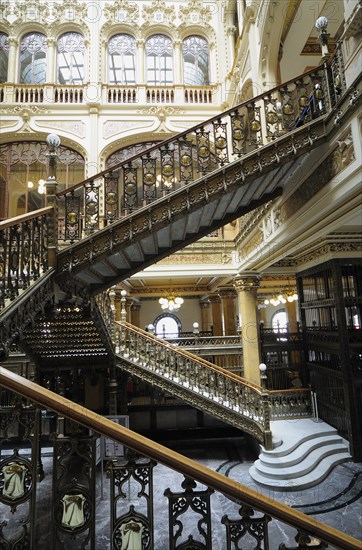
(189, 468)
(180, 135)
(189, 355)
(9, 222)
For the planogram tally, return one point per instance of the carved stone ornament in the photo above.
(161, 112)
(195, 13)
(32, 11)
(24, 111)
(159, 13)
(122, 11)
(70, 12)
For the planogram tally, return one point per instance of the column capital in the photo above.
(248, 281)
(227, 292)
(204, 304)
(215, 299)
(135, 306)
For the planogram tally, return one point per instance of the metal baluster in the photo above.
(168, 179)
(248, 529)
(149, 178)
(91, 191)
(130, 195)
(72, 217)
(111, 196)
(220, 141)
(186, 163)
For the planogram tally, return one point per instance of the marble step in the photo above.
(299, 453)
(291, 441)
(304, 481)
(302, 467)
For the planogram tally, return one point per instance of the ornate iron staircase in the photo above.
(177, 191)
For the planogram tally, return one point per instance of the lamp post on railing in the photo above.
(53, 143)
(123, 306)
(321, 24)
(263, 376)
(196, 329)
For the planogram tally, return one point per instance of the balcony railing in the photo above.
(256, 510)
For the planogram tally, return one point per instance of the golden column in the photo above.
(205, 315)
(216, 314)
(228, 296)
(246, 287)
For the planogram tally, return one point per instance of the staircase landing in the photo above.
(304, 453)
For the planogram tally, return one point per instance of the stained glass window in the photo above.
(195, 56)
(33, 48)
(159, 60)
(121, 59)
(70, 58)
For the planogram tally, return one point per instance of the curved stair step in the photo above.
(304, 466)
(304, 481)
(293, 439)
(299, 453)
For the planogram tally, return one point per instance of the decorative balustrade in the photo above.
(196, 381)
(292, 403)
(193, 521)
(224, 141)
(23, 253)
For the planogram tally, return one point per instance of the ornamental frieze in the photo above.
(117, 127)
(75, 127)
(341, 157)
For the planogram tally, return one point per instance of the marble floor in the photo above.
(337, 501)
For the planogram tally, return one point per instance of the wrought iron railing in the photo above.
(23, 253)
(253, 510)
(216, 143)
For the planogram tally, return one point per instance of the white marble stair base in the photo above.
(307, 453)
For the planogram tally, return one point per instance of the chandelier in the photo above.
(282, 299)
(171, 303)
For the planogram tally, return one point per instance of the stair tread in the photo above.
(302, 482)
(300, 452)
(306, 464)
(302, 430)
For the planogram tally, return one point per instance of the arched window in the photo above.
(122, 59)
(195, 56)
(4, 56)
(167, 325)
(159, 60)
(279, 321)
(24, 166)
(33, 48)
(70, 58)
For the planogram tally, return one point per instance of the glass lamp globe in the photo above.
(321, 23)
(53, 140)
